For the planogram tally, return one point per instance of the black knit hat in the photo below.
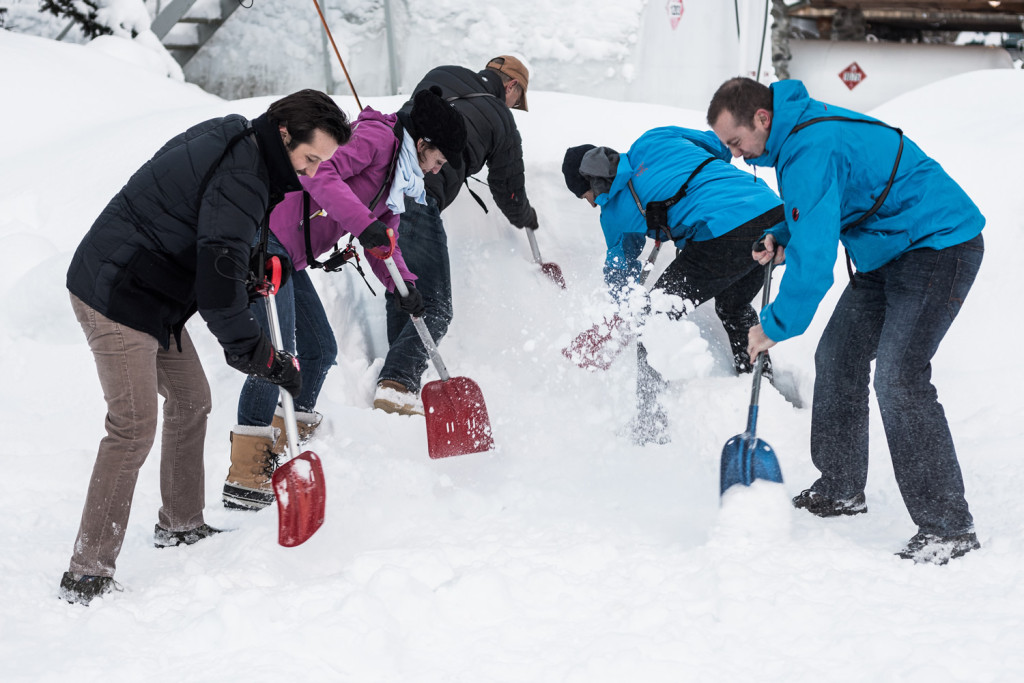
(438, 123)
(574, 180)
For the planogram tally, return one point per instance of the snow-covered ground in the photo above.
(566, 554)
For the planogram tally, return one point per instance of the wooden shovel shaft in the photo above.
(290, 424)
(421, 327)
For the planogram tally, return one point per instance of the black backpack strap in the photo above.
(656, 212)
(468, 96)
(895, 167)
(885, 191)
(310, 256)
(472, 194)
(399, 130)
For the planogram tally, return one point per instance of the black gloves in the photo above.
(375, 235)
(412, 304)
(256, 278)
(277, 367)
(531, 219)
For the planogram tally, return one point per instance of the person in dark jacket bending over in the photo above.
(915, 237)
(719, 213)
(174, 240)
(484, 99)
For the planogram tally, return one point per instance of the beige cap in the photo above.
(513, 68)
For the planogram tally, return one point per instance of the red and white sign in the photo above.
(675, 12)
(852, 75)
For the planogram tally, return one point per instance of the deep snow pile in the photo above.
(565, 554)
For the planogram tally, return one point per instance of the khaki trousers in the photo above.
(133, 369)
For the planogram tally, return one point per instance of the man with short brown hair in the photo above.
(915, 238)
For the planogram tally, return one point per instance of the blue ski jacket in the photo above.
(832, 172)
(719, 198)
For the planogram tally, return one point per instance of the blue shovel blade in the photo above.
(746, 458)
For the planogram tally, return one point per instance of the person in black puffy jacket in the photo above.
(175, 240)
(485, 100)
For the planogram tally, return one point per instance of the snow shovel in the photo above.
(550, 269)
(746, 457)
(454, 407)
(299, 482)
(598, 347)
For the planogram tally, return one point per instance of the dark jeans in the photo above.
(424, 247)
(896, 315)
(721, 269)
(304, 326)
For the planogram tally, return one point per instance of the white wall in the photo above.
(890, 69)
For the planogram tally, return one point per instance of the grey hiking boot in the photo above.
(823, 506)
(162, 538)
(81, 588)
(932, 549)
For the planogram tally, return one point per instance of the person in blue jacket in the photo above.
(713, 213)
(914, 237)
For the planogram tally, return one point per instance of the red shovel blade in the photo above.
(457, 421)
(600, 345)
(301, 496)
(554, 272)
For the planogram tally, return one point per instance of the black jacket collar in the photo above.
(279, 167)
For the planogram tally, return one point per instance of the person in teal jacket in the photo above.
(713, 213)
(914, 237)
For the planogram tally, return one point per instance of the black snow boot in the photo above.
(932, 549)
(82, 589)
(162, 538)
(823, 506)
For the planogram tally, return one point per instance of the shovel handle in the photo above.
(533, 245)
(421, 327)
(648, 266)
(290, 425)
(755, 393)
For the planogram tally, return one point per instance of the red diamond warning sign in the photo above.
(675, 12)
(852, 75)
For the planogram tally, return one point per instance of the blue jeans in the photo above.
(896, 315)
(424, 247)
(304, 326)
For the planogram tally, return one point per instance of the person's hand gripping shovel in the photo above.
(745, 457)
(298, 482)
(454, 407)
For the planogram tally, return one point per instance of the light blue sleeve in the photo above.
(812, 223)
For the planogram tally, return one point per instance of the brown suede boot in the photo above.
(248, 484)
(306, 422)
(394, 397)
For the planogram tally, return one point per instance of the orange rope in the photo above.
(326, 28)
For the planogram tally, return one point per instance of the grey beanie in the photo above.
(599, 166)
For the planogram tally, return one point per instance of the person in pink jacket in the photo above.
(358, 193)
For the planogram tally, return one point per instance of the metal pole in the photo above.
(328, 76)
(392, 58)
